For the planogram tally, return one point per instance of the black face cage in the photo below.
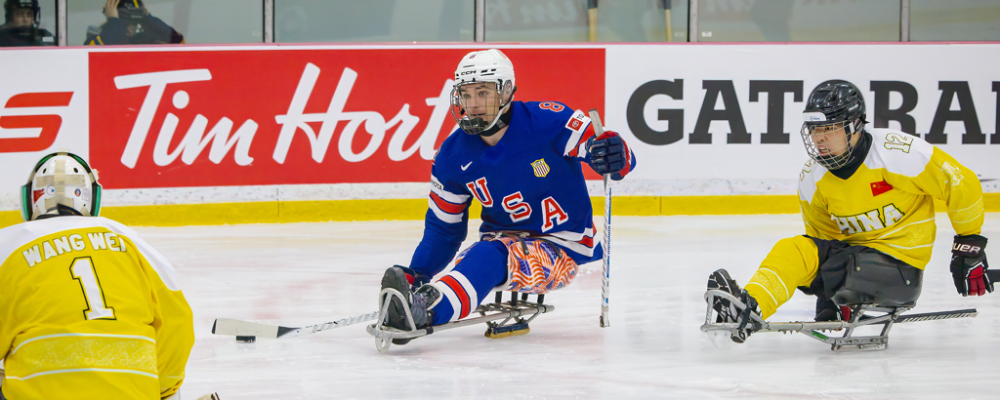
(829, 160)
(493, 107)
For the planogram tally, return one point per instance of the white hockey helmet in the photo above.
(61, 183)
(489, 67)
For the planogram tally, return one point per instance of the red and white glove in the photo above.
(968, 266)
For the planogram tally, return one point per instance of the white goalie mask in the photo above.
(484, 88)
(61, 181)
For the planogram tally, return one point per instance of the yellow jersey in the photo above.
(88, 310)
(887, 204)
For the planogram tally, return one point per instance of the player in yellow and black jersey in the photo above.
(88, 310)
(867, 199)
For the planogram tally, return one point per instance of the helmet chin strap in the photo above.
(502, 122)
(504, 118)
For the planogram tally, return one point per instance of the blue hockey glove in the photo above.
(968, 266)
(607, 154)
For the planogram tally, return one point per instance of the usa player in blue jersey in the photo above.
(521, 161)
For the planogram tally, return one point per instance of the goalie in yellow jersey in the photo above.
(88, 310)
(867, 199)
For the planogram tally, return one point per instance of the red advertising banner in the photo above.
(220, 118)
(47, 123)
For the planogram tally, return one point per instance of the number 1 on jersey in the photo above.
(83, 271)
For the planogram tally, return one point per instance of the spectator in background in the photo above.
(130, 23)
(21, 25)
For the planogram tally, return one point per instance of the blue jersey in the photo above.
(530, 181)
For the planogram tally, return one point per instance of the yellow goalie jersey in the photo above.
(888, 203)
(88, 310)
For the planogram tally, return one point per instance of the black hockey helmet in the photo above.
(131, 10)
(9, 6)
(838, 101)
(831, 105)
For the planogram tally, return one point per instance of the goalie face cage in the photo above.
(476, 106)
(829, 144)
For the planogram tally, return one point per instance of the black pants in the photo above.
(850, 275)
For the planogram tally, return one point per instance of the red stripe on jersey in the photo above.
(588, 240)
(587, 134)
(463, 296)
(447, 207)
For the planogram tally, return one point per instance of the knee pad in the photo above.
(872, 277)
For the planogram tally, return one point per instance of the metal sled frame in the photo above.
(513, 311)
(890, 316)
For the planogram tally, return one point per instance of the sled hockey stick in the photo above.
(606, 261)
(249, 331)
(592, 20)
(766, 326)
(508, 312)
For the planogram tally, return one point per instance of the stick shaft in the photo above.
(606, 261)
(994, 275)
(666, 13)
(606, 275)
(670, 29)
(592, 20)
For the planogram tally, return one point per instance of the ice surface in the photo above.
(297, 274)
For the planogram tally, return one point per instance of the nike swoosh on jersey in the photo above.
(466, 166)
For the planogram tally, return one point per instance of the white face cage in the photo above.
(829, 144)
(477, 106)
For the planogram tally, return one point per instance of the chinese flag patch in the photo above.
(880, 187)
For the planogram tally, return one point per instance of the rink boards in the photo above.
(233, 134)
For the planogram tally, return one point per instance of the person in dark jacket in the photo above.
(130, 23)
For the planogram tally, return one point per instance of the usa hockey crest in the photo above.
(540, 167)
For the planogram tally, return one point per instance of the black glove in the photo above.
(968, 266)
(607, 154)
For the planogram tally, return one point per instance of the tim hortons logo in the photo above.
(223, 139)
(30, 121)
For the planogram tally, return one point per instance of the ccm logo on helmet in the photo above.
(34, 131)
